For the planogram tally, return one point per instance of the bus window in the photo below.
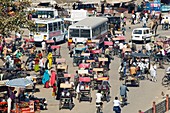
(41, 27)
(59, 25)
(74, 32)
(55, 26)
(85, 33)
(50, 27)
(62, 26)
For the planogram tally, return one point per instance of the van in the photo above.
(141, 34)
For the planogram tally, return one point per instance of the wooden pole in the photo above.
(167, 102)
(154, 107)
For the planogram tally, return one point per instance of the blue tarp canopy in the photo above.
(19, 82)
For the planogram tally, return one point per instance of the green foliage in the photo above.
(13, 15)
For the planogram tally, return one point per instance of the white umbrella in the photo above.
(19, 82)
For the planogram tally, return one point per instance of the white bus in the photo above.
(52, 29)
(90, 27)
(42, 13)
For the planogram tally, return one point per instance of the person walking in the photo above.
(153, 72)
(123, 90)
(50, 59)
(116, 105)
(46, 78)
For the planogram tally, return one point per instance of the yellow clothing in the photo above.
(50, 59)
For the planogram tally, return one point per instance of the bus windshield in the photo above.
(137, 32)
(43, 14)
(85, 33)
(74, 32)
(41, 27)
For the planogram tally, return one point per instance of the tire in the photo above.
(165, 80)
(70, 106)
(98, 110)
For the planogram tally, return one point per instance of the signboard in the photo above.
(153, 6)
(165, 8)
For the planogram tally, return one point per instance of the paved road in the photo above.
(138, 97)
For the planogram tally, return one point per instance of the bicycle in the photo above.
(98, 108)
(166, 79)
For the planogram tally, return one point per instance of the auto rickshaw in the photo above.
(56, 51)
(92, 63)
(102, 63)
(104, 88)
(70, 77)
(84, 66)
(61, 66)
(146, 60)
(66, 100)
(85, 89)
(85, 55)
(116, 42)
(98, 73)
(110, 48)
(77, 58)
(126, 53)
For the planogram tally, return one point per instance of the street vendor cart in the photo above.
(66, 100)
(85, 89)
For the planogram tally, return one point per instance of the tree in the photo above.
(13, 15)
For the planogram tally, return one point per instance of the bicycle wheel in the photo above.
(165, 80)
(98, 110)
(165, 61)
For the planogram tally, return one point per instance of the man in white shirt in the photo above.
(148, 47)
(99, 98)
(121, 46)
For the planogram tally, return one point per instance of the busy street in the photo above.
(81, 61)
(139, 98)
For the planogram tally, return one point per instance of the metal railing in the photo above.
(149, 110)
(161, 107)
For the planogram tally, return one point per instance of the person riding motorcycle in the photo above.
(123, 90)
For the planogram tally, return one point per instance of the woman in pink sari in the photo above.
(53, 77)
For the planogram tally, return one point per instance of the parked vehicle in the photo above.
(88, 28)
(52, 29)
(141, 34)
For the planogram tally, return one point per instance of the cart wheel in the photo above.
(70, 106)
(60, 105)
(138, 83)
(79, 99)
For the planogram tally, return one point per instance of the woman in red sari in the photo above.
(53, 77)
